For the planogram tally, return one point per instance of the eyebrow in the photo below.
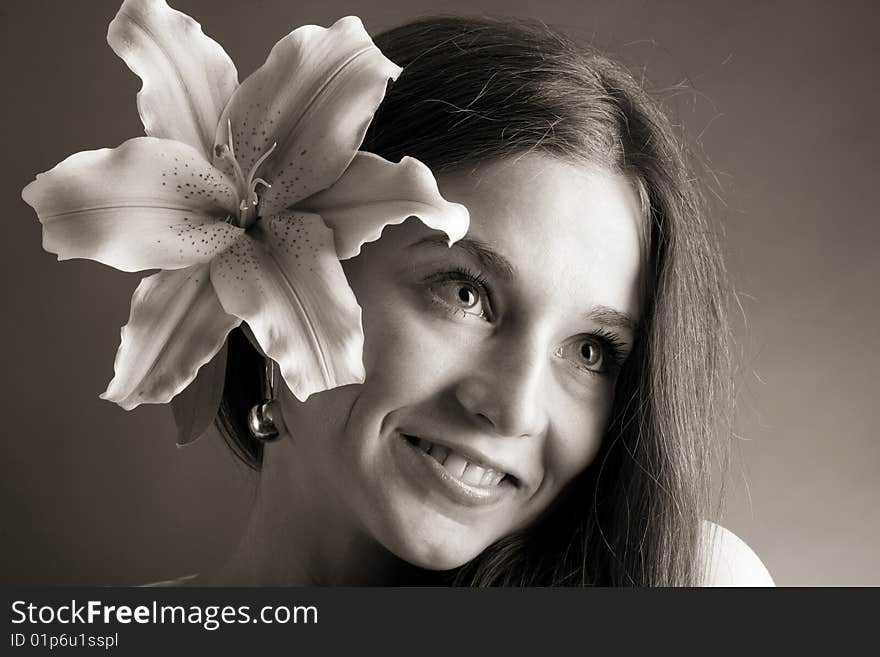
(612, 318)
(486, 256)
(490, 259)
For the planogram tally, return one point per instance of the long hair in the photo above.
(475, 90)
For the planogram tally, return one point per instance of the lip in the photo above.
(426, 473)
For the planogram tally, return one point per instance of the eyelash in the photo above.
(612, 347)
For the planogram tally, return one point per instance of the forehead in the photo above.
(569, 231)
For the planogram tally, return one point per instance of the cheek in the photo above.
(408, 354)
(390, 348)
(576, 438)
(393, 359)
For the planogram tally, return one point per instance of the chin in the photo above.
(428, 539)
(437, 556)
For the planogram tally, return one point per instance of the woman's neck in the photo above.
(298, 534)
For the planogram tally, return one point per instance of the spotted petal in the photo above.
(284, 279)
(374, 193)
(187, 77)
(176, 326)
(315, 96)
(150, 203)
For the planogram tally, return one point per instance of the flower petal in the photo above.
(188, 78)
(176, 326)
(150, 203)
(374, 193)
(315, 96)
(195, 407)
(288, 285)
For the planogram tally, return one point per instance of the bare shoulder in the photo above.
(186, 580)
(730, 561)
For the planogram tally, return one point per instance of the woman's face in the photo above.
(490, 365)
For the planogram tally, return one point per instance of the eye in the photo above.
(461, 292)
(460, 296)
(594, 354)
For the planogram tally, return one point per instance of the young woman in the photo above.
(538, 401)
(543, 399)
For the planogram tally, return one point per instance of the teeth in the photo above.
(473, 474)
(456, 465)
(459, 467)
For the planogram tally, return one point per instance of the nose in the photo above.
(504, 390)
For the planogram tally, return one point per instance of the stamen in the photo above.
(260, 181)
(226, 152)
(229, 137)
(251, 183)
(247, 187)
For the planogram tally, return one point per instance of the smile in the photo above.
(458, 465)
(441, 473)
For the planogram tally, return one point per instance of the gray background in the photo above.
(781, 99)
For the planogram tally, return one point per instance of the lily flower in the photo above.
(245, 196)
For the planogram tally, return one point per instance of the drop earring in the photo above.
(264, 419)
